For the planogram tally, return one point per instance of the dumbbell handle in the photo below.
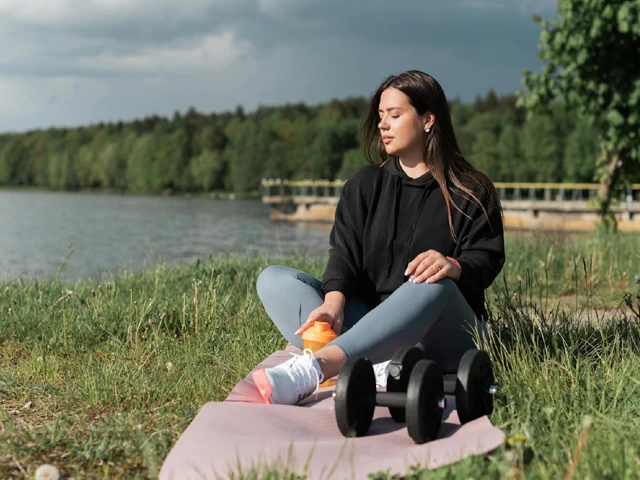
(450, 382)
(391, 399)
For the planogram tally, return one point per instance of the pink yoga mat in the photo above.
(241, 432)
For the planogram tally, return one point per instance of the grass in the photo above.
(100, 378)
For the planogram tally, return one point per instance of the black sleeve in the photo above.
(481, 250)
(345, 253)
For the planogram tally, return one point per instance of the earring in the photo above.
(426, 130)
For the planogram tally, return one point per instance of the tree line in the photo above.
(232, 151)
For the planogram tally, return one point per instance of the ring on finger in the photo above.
(437, 266)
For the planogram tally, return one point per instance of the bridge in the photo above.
(526, 206)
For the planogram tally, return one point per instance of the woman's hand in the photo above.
(331, 311)
(431, 266)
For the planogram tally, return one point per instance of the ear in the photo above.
(429, 119)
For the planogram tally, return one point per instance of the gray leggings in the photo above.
(434, 316)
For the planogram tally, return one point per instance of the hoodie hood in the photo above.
(425, 180)
(403, 183)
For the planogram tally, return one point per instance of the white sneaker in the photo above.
(382, 372)
(291, 381)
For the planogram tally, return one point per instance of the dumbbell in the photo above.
(472, 385)
(422, 402)
(417, 398)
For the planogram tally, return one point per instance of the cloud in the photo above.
(216, 54)
(98, 37)
(75, 35)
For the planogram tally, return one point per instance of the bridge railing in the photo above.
(507, 191)
(301, 188)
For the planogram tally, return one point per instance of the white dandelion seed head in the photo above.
(47, 472)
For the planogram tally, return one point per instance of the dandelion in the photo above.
(517, 439)
(47, 472)
(169, 366)
(587, 421)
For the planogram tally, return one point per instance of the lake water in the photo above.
(106, 233)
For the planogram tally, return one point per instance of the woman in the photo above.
(417, 238)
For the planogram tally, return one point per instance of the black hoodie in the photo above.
(384, 219)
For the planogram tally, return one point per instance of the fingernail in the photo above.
(406, 272)
(411, 278)
(297, 332)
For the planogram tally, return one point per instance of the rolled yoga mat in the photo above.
(242, 432)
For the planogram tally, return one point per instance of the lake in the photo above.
(101, 233)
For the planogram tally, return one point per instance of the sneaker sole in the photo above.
(262, 383)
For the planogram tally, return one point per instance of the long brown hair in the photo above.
(442, 154)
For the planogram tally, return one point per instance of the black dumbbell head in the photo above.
(400, 369)
(355, 398)
(475, 377)
(424, 396)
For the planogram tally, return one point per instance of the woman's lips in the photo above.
(386, 140)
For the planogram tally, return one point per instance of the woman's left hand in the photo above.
(431, 266)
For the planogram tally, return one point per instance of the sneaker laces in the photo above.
(303, 372)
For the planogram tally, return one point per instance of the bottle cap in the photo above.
(320, 332)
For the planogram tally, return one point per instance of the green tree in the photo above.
(171, 160)
(61, 172)
(210, 137)
(352, 160)
(84, 163)
(542, 150)
(245, 156)
(206, 170)
(484, 154)
(581, 153)
(40, 160)
(461, 113)
(590, 61)
(11, 154)
(479, 122)
(140, 172)
(510, 155)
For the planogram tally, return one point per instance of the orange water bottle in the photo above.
(316, 337)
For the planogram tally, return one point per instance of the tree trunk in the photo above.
(607, 188)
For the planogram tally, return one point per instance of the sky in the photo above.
(77, 62)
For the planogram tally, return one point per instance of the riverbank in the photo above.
(215, 195)
(101, 378)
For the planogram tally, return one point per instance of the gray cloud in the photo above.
(163, 55)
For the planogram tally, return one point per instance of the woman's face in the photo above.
(401, 128)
